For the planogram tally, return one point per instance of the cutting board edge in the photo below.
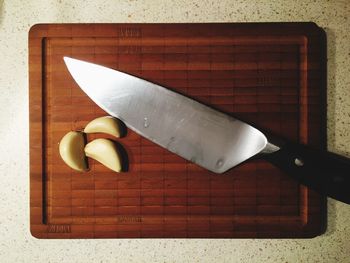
(40, 27)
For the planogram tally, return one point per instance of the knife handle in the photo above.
(325, 172)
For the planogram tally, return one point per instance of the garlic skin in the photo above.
(106, 124)
(71, 148)
(106, 152)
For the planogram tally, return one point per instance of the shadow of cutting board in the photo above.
(272, 75)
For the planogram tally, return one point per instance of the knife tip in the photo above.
(66, 59)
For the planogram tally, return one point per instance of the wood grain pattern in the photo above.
(271, 75)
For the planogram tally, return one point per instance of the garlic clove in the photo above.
(106, 124)
(106, 152)
(71, 149)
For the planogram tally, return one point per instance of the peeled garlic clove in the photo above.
(104, 151)
(71, 148)
(106, 124)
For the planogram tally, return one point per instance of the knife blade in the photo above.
(203, 135)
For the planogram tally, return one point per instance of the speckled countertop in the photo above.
(16, 243)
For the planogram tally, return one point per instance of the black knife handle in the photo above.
(325, 172)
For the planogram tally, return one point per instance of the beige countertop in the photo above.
(16, 242)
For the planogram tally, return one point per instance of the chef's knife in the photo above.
(202, 135)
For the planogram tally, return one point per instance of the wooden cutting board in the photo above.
(272, 75)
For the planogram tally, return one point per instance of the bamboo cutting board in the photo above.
(271, 75)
